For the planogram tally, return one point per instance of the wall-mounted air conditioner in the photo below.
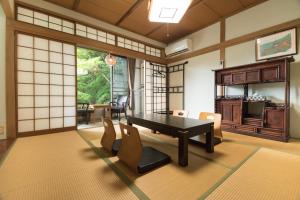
(178, 47)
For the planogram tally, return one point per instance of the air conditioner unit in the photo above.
(178, 47)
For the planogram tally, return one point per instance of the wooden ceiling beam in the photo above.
(212, 10)
(75, 4)
(129, 11)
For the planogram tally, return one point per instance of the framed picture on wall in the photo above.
(277, 45)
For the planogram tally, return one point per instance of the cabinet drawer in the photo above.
(276, 133)
(226, 79)
(270, 74)
(238, 78)
(253, 76)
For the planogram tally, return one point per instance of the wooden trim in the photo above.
(8, 10)
(44, 132)
(79, 41)
(237, 40)
(222, 39)
(10, 74)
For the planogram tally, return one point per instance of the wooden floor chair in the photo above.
(218, 137)
(137, 157)
(109, 141)
(216, 117)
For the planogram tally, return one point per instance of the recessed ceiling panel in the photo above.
(106, 10)
(223, 9)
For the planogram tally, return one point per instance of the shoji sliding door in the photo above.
(46, 85)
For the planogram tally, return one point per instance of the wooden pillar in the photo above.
(222, 49)
(10, 80)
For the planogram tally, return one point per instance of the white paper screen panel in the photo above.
(176, 101)
(46, 80)
(176, 79)
(44, 20)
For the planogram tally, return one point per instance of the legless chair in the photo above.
(135, 156)
(108, 140)
(180, 113)
(216, 117)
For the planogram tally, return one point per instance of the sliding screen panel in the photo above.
(46, 87)
(155, 82)
(176, 87)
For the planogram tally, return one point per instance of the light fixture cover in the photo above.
(168, 11)
(110, 60)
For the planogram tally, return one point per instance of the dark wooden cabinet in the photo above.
(272, 121)
(254, 73)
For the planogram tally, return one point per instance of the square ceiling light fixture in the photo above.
(167, 11)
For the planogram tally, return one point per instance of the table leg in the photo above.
(210, 140)
(129, 123)
(183, 149)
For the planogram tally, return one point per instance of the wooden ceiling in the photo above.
(133, 15)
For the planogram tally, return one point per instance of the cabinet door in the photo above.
(236, 113)
(253, 76)
(238, 78)
(226, 112)
(270, 74)
(274, 118)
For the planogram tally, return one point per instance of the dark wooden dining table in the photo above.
(182, 128)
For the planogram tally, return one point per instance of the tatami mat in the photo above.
(267, 175)
(72, 165)
(58, 166)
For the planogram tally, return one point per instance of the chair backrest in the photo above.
(216, 117)
(180, 113)
(109, 135)
(131, 148)
(122, 101)
(83, 106)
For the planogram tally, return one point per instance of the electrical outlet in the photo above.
(1, 130)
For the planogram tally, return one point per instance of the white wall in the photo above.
(199, 83)
(2, 70)
(264, 15)
(204, 37)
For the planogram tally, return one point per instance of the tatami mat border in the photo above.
(224, 178)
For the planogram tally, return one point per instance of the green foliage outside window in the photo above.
(93, 77)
